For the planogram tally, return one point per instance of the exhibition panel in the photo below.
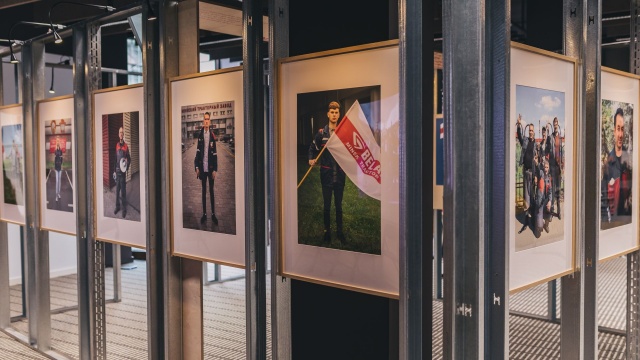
(359, 166)
(12, 207)
(207, 167)
(542, 186)
(620, 93)
(56, 173)
(119, 165)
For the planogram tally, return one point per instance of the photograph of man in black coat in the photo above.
(206, 166)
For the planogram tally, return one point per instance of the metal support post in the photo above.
(23, 272)
(633, 320)
(91, 284)
(582, 22)
(633, 259)
(174, 284)
(280, 287)
(254, 170)
(552, 314)
(416, 102)
(37, 250)
(117, 273)
(439, 254)
(497, 97)
(155, 125)
(5, 298)
(217, 274)
(477, 50)
(17, 70)
(205, 273)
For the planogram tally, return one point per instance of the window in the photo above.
(134, 61)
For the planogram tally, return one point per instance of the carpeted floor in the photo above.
(224, 323)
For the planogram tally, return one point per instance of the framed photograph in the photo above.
(56, 165)
(541, 168)
(620, 93)
(119, 143)
(207, 166)
(338, 143)
(12, 193)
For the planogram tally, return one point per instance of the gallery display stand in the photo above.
(329, 322)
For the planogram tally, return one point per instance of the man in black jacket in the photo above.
(555, 155)
(206, 165)
(332, 176)
(530, 170)
(123, 159)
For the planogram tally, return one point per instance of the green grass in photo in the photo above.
(9, 191)
(361, 215)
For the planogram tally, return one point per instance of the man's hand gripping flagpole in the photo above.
(315, 161)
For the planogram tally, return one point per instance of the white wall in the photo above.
(63, 79)
(15, 263)
(62, 255)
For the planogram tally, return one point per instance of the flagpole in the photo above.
(311, 167)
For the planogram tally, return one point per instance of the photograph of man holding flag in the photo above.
(339, 186)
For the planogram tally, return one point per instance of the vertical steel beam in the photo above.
(464, 100)
(633, 259)
(17, 71)
(572, 320)
(254, 170)
(91, 286)
(5, 299)
(497, 144)
(117, 273)
(5, 306)
(1, 86)
(582, 26)
(37, 249)
(551, 300)
(280, 287)
(476, 48)
(416, 104)
(181, 285)
(633, 306)
(439, 254)
(205, 273)
(156, 151)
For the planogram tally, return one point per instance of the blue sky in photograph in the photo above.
(10, 133)
(539, 106)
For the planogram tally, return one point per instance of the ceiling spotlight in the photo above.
(13, 57)
(56, 36)
(48, 25)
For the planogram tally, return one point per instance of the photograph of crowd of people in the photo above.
(12, 164)
(539, 162)
(59, 164)
(209, 167)
(616, 164)
(121, 165)
(332, 211)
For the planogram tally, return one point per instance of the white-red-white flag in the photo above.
(357, 152)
